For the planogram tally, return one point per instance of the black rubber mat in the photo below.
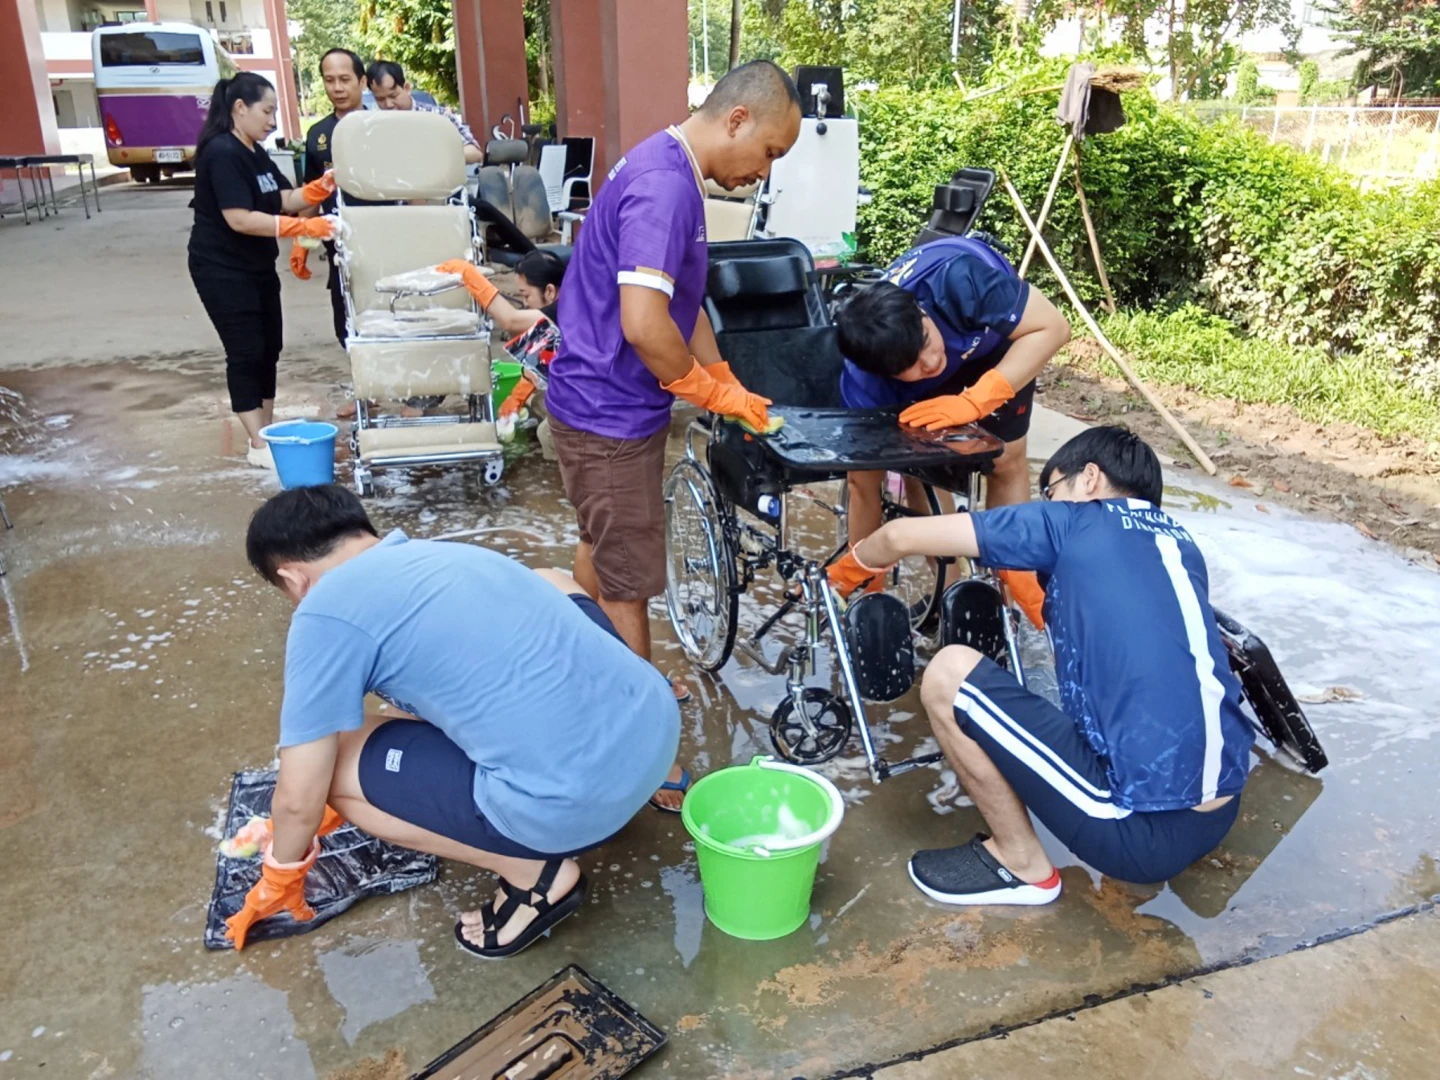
(572, 1026)
(352, 865)
(1282, 720)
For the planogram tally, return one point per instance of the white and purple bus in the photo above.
(153, 84)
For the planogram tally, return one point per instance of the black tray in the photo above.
(823, 443)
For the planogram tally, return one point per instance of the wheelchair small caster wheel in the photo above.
(493, 471)
(816, 732)
(364, 484)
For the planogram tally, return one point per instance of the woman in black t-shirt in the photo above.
(242, 205)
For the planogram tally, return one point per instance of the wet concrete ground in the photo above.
(142, 667)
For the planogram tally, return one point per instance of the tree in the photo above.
(419, 35)
(1247, 82)
(1398, 42)
(737, 22)
(324, 25)
(1309, 81)
(892, 42)
(1200, 35)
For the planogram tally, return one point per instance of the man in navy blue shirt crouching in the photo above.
(1139, 772)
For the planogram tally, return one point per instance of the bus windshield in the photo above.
(150, 48)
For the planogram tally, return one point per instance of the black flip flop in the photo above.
(547, 915)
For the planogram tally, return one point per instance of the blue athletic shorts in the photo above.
(435, 788)
(1064, 783)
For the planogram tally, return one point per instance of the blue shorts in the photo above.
(435, 788)
(1063, 782)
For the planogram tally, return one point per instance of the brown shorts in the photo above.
(616, 488)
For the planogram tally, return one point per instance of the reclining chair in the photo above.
(405, 346)
(957, 205)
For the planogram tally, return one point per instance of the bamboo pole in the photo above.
(1105, 343)
(1049, 198)
(1094, 240)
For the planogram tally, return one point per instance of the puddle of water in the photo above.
(373, 979)
(688, 899)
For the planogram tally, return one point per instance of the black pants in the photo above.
(337, 298)
(245, 309)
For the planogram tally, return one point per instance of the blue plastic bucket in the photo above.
(304, 451)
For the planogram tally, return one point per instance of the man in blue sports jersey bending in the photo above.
(1140, 772)
(956, 337)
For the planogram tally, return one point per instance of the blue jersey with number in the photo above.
(1142, 669)
(974, 297)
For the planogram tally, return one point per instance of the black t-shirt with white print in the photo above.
(231, 176)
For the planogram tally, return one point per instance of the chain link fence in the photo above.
(1379, 145)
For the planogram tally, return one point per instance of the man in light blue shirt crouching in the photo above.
(534, 732)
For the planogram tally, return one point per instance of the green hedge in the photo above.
(1187, 211)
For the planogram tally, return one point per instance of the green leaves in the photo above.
(1269, 239)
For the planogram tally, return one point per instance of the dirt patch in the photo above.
(1388, 489)
(390, 1067)
(956, 942)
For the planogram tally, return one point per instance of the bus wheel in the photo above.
(141, 174)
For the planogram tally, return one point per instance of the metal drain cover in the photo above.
(570, 1028)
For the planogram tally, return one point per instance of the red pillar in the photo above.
(579, 73)
(490, 63)
(279, 26)
(27, 122)
(621, 68)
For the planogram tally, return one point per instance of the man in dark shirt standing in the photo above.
(344, 77)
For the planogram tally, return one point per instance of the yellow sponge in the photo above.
(775, 424)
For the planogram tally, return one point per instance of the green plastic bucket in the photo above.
(758, 830)
(504, 374)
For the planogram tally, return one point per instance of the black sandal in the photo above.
(546, 914)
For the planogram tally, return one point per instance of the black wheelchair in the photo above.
(731, 501)
(729, 507)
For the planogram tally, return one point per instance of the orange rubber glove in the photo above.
(990, 391)
(299, 256)
(317, 191)
(702, 389)
(517, 397)
(319, 228)
(281, 888)
(476, 283)
(721, 373)
(848, 573)
(1024, 588)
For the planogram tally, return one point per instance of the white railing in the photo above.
(1383, 145)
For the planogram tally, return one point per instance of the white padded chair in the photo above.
(407, 346)
(730, 215)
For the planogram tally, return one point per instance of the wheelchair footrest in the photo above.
(972, 612)
(882, 648)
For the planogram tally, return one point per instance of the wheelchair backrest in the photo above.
(770, 321)
(381, 155)
(957, 205)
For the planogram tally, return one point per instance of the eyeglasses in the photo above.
(1045, 492)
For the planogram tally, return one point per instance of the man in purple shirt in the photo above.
(636, 337)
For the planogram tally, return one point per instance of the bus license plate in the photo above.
(169, 157)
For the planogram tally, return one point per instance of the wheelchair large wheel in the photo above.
(700, 592)
(918, 581)
(814, 733)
